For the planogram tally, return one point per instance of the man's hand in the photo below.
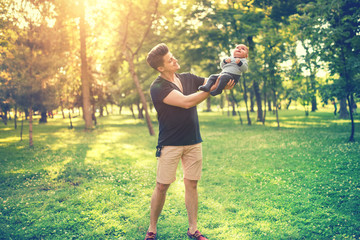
(215, 85)
(230, 84)
(227, 60)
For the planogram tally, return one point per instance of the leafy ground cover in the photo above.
(298, 182)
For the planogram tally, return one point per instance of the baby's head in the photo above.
(241, 51)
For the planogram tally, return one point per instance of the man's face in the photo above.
(241, 51)
(170, 63)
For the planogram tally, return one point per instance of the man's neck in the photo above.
(170, 76)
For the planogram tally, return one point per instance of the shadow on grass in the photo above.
(258, 182)
(78, 180)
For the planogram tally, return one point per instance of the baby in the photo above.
(232, 67)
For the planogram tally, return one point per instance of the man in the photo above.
(175, 97)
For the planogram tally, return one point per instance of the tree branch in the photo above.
(124, 43)
(152, 16)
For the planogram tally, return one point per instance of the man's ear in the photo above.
(160, 69)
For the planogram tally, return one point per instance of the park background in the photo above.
(78, 131)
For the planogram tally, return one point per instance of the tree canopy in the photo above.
(43, 65)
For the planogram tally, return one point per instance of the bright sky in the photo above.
(20, 10)
(300, 51)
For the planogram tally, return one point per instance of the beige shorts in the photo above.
(191, 160)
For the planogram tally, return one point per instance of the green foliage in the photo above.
(339, 28)
(258, 182)
(33, 54)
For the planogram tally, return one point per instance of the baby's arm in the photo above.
(224, 62)
(242, 63)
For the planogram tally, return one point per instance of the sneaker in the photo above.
(150, 236)
(197, 235)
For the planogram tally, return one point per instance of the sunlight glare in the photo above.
(22, 170)
(55, 169)
(8, 140)
(26, 13)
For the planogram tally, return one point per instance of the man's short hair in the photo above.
(156, 54)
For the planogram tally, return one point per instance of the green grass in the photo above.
(299, 182)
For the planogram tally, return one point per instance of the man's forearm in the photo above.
(195, 98)
(176, 98)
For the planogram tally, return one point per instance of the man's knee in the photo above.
(162, 188)
(190, 184)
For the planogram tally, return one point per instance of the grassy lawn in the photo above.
(301, 181)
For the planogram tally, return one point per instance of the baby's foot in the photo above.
(203, 88)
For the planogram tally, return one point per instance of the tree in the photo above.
(5, 78)
(243, 21)
(304, 25)
(85, 85)
(37, 55)
(273, 46)
(131, 43)
(221, 26)
(339, 28)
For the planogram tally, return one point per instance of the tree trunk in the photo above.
(31, 144)
(101, 108)
(15, 117)
(335, 107)
(351, 139)
(288, 104)
(5, 117)
(252, 103)
(222, 103)
(269, 105)
(62, 109)
(84, 71)
(71, 125)
(313, 104)
(208, 105)
(237, 106)
(344, 114)
(245, 98)
(256, 86)
(258, 101)
(120, 109)
(130, 60)
(276, 110)
(132, 111)
(140, 111)
(22, 128)
(264, 116)
(43, 118)
(313, 90)
(93, 116)
(233, 108)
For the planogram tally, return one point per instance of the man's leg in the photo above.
(191, 202)
(157, 203)
(166, 174)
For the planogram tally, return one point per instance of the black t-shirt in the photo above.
(177, 126)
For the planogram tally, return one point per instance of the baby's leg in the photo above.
(212, 79)
(224, 79)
